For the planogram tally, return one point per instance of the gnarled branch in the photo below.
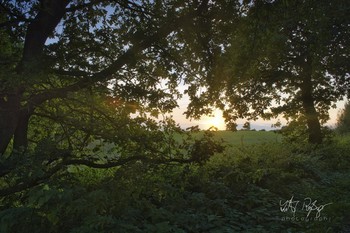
(22, 186)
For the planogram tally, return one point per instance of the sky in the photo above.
(206, 122)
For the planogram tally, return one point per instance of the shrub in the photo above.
(343, 121)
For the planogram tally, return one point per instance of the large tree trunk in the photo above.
(20, 141)
(14, 122)
(14, 118)
(312, 120)
(9, 116)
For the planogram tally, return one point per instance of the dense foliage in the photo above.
(285, 58)
(237, 190)
(83, 82)
(86, 144)
(67, 60)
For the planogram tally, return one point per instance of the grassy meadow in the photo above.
(241, 137)
(248, 137)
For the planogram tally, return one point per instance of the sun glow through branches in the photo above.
(216, 120)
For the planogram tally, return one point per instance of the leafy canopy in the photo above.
(284, 57)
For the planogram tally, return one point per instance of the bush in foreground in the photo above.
(238, 190)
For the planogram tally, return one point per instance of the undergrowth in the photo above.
(242, 189)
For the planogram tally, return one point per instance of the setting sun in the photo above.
(216, 120)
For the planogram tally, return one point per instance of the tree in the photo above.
(231, 126)
(77, 75)
(246, 126)
(285, 57)
(124, 49)
(343, 121)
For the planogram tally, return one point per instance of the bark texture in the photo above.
(14, 117)
(308, 102)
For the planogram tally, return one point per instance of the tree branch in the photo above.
(135, 7)
(128, 57)
(55, 169)
(39, 30)
(81, 6)
(19, 17)
(30, 183)
(12, 22)
(77, 73)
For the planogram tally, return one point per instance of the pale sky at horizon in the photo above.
(206, 122)
(218, 121)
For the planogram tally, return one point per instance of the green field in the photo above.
(248, 137)
(245, 137)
